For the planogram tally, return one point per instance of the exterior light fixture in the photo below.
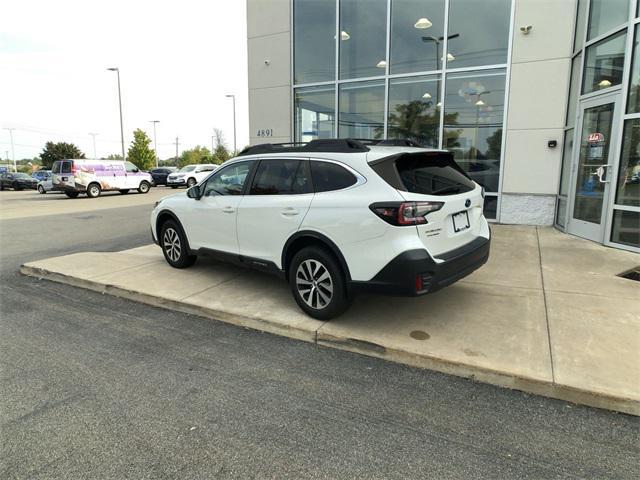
(480, 103)
(344, 35)
(423, 24)
(426, 95)
(381, 64)
(438, 105)
(604, 83)
(450, 58)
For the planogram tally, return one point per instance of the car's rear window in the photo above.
(427, 173)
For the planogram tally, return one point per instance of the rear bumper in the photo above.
(414, 272)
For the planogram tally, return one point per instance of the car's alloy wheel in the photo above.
(314, 284)
(191, 182)
(174, 246)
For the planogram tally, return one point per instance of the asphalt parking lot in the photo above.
(93, 386)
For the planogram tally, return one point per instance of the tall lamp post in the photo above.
(117, 70)
(234, 122)
(155, 143)
(95, 155)
(13, 152)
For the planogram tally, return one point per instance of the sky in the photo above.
(177, 62)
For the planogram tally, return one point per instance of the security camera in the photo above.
(525, 29)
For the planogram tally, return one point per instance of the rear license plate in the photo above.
(460, 221)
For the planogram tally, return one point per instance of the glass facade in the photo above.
(600, 180)
(394, 78)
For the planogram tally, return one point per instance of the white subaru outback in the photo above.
(333, 217)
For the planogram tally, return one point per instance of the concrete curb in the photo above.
(529, 385)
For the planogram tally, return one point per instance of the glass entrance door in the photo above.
(593, 167)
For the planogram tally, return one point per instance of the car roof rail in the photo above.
(335, 145)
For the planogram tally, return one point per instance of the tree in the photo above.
(140, 154)
(197, 154)
(114, 156)
(221, 153)
(59, 151)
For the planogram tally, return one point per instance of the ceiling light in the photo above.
(426, 95)
(480, 103)
(604, 83)
(450, 58)
(344, 35)
(381, 64)
(423, 23)
(438, 105)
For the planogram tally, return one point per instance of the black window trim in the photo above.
(360, 179)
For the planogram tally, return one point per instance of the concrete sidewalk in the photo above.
(546, 315)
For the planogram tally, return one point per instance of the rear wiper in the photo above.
(446, 190)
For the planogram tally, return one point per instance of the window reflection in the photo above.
(413, 109)
(361, 110)
(581, 17)
(474, 110)
(633, 104)
(604, 62)
(478, 32)
(363, 39)
(314, 112)
(567, 156)
(605, 15)
(626, 228)
(417, 29)
(629, 173)
(574, 89)
(314, 41)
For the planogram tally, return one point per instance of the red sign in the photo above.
(595, 137)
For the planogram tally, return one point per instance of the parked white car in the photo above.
(45, 186)
(189, 175)
(333, 217)
(95, 176)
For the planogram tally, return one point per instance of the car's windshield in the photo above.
(188, 168)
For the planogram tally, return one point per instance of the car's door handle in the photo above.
(290, 212)
(228, 209)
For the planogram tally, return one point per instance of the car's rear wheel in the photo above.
(318, 283)
(93, 190)
(174, 246)
(41, 189)
(191, 182)
(144, 187)
(71, 194)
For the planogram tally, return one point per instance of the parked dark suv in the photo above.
(160, 174)
(17, 181)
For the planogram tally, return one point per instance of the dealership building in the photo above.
(538, 100)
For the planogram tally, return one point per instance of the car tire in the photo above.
(71, 194)
(144, 187)
(174, 245)
(318, 283)
(124, 191)
(16, 187)
(93, 190)
(41, 190)
(191, 182)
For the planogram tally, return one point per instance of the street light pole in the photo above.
(13, 152)
(95, 156)
(235, 149)
(117, 70)
(155, 143)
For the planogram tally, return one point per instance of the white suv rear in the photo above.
(333, 217)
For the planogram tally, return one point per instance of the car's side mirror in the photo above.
(194, 192)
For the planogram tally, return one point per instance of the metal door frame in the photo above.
(583, 228)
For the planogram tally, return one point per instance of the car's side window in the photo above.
(130, 167)
(228, 180)
(328, 176)
(281, 177)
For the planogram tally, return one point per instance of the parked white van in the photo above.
(92, 177)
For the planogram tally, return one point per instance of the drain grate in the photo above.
(633, 274)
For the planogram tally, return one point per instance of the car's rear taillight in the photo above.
(405, 213)
(74, 168)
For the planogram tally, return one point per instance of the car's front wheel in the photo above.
(191, 182)
(174, 246)
(41, 189)
(318, 283)
(144, 187)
